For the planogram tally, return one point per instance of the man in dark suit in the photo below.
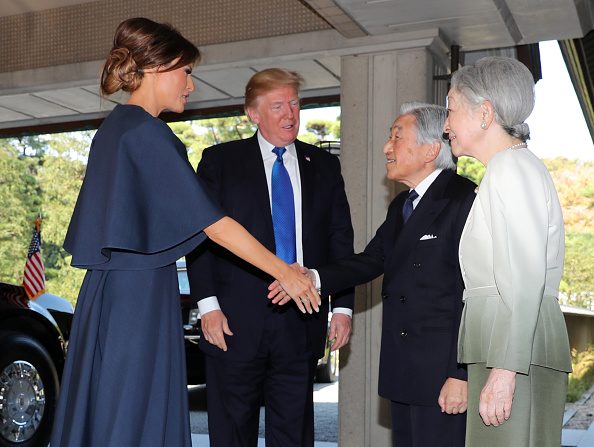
(290, 196)
(416, 249)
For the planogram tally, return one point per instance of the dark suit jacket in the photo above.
(422, 289)
(234, 172)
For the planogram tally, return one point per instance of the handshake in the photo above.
(298, 285)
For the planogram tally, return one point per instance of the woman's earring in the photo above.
(484, 125)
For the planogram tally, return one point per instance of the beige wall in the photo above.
(581, 331)
(373, 86)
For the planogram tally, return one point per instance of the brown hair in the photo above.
(270, 79)
(141, 44)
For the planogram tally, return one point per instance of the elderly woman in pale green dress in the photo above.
(513, 335)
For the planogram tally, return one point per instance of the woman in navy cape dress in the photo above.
(141, 208)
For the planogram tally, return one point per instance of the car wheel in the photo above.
(28, 389)
(328, 372)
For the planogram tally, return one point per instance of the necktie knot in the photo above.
(279, 151)
(407, 208)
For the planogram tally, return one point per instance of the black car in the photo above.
(33, 341)
(327, 370)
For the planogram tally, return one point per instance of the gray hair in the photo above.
(430, 119)
(507, 84)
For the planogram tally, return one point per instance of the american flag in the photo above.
(34, 277)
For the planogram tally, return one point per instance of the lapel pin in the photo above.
(307, 158)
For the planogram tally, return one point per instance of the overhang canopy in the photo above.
(52, 50)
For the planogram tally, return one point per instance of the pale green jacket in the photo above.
(511, 257)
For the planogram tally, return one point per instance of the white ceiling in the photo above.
(71, 93)
(213, 88)
(473, 24)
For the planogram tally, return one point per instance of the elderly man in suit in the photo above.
(416, 249)
(290, 196)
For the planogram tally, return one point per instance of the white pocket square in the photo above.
(427, 237)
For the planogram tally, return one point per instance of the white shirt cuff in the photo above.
(336, 310)
(343, 310)
(208, 304)
(318, 281)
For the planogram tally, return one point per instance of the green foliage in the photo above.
(471, 169)
(324, 129)
(41, 179)
(60, 180)
(221, 130)
(19, 196)
(200, 134)
(191, 138)
(573, 180)
(582, 377)
(578, 273)
(308, 138)
(321, 130)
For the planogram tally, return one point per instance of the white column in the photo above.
(373, 86)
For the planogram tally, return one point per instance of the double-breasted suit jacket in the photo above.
(511, 253)
(235, 174)
(422, 289)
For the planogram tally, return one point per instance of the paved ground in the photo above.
(578, 427)
(325, 413)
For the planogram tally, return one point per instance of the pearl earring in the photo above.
(484, 125)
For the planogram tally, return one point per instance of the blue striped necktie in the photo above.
(283, 209)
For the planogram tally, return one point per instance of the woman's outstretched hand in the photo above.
(298, 286)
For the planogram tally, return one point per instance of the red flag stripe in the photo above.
(36, 267)
(33, 282)
(34, 272)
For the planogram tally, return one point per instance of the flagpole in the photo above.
(37, 222)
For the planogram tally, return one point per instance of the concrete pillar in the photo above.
(373, 86)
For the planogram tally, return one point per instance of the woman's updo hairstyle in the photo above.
(141, 44)
(507, 84)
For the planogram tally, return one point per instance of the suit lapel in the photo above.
(307, 175)
(430, 206)
(252, 168)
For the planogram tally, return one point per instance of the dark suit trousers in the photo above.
(424, 426)
(282, 380)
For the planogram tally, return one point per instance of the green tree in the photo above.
(221, 130)
(21, 202)
(578, 273)
(195, 143)
(324, 129)
(199, 134)
(29, 146)
(471, 169)
(42, 179)
(60, 179)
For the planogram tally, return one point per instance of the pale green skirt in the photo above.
(537, 410)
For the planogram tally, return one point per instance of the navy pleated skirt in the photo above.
(124, 383)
